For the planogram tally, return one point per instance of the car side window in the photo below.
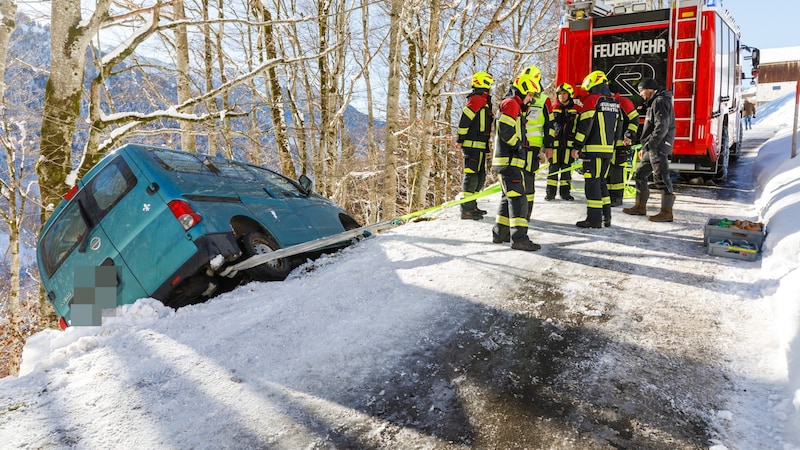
(181, 162)
(233, 169)
(111, 184)
(275, 182)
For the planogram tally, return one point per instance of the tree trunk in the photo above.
(392, 115)
(69, 39)
(188, 141)
(279, 127)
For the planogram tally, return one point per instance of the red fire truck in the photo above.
(692, 48)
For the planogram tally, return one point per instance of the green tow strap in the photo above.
(630, 191)
(493, 189)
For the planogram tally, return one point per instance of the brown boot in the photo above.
(639, 207)
(665, 215)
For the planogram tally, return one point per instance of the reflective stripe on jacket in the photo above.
(508, 151)
(599, 125)
(475, 126)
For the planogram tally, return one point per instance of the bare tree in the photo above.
(13, 196)
(70, 36)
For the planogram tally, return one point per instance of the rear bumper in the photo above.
(208, 247)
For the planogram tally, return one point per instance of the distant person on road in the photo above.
(474, 130)
(658, 137)
(749, 112)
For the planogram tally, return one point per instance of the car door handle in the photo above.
(152, 188)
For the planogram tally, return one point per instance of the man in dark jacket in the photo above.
(658, 137)
(474, 130)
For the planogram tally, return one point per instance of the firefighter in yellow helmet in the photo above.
(565, 118)
(622, 148)
(599, 127)
(539, 133)
(474, 130)
(509, 160)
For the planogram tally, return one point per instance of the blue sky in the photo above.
(766, 23)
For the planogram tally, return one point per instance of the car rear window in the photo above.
(104, 190)
(62, 238)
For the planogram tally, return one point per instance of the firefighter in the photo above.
(658, 137)
(509, 161)
(622, 148)
(599, 126)
(539, 133)
(474, 130)
(565, 118)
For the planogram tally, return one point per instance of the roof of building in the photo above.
(777, 55)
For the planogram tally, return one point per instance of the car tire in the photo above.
(255, 243)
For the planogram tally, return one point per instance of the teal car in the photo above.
(155, 222)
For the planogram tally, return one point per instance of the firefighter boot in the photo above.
(616, 200)
(550, 193)
(665, 215)
(500, 234)
(606, 215)
(521, 241)
(639, 207)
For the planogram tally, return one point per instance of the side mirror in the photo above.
(306, 183)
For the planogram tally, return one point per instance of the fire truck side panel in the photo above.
(703, 73)
(576, 62)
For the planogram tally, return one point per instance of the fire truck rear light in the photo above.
(62, 323)
(184, 213)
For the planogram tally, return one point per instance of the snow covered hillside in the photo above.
(430, 336)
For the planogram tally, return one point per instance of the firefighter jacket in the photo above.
(630, 119)
(565, 120)
(599, 124)
(539, 131)
(508, 151)
(475, 126)
(658, 131)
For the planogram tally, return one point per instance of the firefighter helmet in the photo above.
(525, 84)
(566, 87)
(535, 74)
(593, 79)
(482, 80)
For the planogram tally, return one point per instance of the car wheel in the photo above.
(255, 243)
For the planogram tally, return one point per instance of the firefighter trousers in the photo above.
(598, 202)
(656, 164)
(474, 176)
(559, 181)
(512, 216)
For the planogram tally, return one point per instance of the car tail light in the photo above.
(184, 213)
(72, 191)
(62, 323)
